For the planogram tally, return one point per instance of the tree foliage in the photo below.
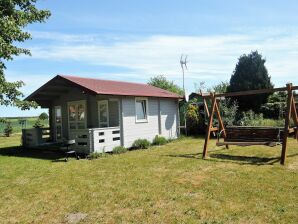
(15, 15)
(250, 74)
(160, 81)
(194, 122)
(43, 116)
(38, 124)
(229, 111)
(276, 106)
(219, 88)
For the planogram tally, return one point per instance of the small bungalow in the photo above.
(101, 114)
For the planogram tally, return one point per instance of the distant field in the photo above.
(17, 127)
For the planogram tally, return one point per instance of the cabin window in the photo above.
(141, 109)
(77, 115)
(108, 113)
(58, 123)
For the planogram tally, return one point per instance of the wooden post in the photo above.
(206, 107)
(221, 125)
(51, 124)
(207, 135)
(205, 104)
(295, 117)
(287, 122)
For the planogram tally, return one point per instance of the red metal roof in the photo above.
(109, 87)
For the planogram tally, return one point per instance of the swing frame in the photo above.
(291, 112)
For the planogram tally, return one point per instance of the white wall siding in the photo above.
(132, 129)
(169, 118)
(162, 119)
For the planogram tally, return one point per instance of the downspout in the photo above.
(159, 117)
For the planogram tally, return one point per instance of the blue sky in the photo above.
(134, 40)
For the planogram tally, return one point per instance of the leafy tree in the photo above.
(15, 15)
(43, 116)
(250, 74)
(219, 88)
(160, 81)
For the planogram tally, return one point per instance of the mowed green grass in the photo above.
(167, 184)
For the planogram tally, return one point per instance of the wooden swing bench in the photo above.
(248, 136)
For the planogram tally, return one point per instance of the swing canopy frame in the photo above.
(247, 136)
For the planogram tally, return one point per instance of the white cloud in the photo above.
(211, 58)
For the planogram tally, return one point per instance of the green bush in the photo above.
(250, 118)
(141, 144)
(229, 110)
(159, 140)
(8, 129)
(119, 149)
(38, 124)
(194, 122)
(95, 155)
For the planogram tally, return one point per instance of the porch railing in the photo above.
(35, 136)
(86, 140)
(96, 139)
(105, 139)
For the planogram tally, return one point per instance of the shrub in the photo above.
(8, 129)
(141, 144)
(159, 140)
(94, 155)
(250, 118)
(229, 110)
(194, 122)
(119, 149)
(38, 124)
(275, 108)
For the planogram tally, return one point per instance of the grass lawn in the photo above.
(167, 184)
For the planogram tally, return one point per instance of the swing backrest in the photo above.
(253, 134)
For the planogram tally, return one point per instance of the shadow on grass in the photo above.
(189, 156)
(247, 160)
(45, 154)
(243, 160)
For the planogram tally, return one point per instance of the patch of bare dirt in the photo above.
(76, 217)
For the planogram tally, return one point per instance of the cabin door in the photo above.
(58, 123)
(103, 113)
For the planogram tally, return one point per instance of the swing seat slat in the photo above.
(247, 143)
(246, 136)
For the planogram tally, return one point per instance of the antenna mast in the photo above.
(183, 64)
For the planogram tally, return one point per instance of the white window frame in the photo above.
(55, 124)
(108, 114)
(146, 120)
(76, 103)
